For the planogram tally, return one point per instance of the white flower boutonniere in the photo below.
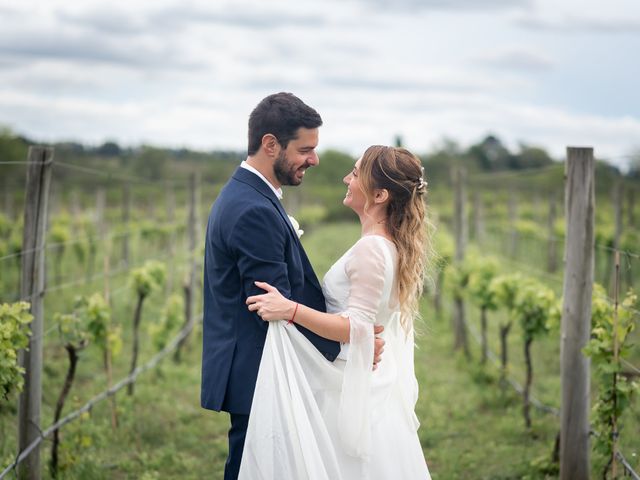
(296, 226)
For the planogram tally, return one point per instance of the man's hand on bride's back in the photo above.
(272, 305)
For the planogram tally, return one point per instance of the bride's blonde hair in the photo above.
(400, 172)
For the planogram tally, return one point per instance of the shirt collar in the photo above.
(276, 191)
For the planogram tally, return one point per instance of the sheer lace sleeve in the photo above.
(366, 269)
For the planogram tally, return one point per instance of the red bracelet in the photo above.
(289, 322)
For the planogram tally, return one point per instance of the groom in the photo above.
(249, 238)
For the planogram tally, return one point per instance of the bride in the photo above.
(313, 419)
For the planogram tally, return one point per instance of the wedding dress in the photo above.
(317, 420)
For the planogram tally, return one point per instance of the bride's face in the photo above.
(354, 198)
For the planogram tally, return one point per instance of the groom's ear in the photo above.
(270, 144)
(381, 195)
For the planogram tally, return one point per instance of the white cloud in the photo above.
(188, 73)
(472, 5)
(575, 24)
(518, 59)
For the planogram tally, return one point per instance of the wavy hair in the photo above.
(280, 114)
(400, 172)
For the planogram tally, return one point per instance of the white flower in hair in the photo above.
(296, 226)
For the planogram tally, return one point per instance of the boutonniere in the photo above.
(296, 226)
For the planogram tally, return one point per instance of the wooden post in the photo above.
(107, 349)
(552, 242)
(101, 199)
(513, 218)
(617, 205)
(460, 226)
(478, 218)
(198, 260)
(171, 220)
(32, 289)
(8, 198)
(189, 286)
(631, 203)
(616, 362)
(576, 314)
(617, 213)
(151, 208)
(537, 207)
(74, 204)
(101, 204)
(126, 215)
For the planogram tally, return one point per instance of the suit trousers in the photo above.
(237, 433)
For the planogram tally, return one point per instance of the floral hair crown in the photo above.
(421, 184)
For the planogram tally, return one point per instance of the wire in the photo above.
(537, 271)
(627, 466)
(630, 365)
(112, 273)
(117, 176)
(131, 378)
(611, 249)
(517, 173)
(111, 236)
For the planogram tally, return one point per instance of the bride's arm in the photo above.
(273, 306)
(366, 272)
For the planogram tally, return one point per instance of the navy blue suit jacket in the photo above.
(249, 238)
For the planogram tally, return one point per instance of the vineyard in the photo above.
(100, 293)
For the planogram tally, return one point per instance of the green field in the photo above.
(471, 426)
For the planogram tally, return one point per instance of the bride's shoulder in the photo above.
(373, 245)
(374, 242)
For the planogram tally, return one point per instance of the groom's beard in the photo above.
(285, 172)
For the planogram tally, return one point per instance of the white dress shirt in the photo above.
(276, 191)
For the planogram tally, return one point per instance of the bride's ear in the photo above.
(381, 195)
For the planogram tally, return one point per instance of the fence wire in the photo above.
(131, 378)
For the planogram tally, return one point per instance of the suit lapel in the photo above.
(245, 176)
(308, 269)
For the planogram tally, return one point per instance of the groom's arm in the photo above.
(258, 240)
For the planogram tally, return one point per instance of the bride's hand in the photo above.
(271, 305)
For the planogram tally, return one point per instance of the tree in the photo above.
(614, 390)
(483, 271)
(532, 157)
(14, 336)
(150, 162)
(535, 307)
(75, 337)
(506, 289)
(144, 280)
(109, 149)
(490, 154)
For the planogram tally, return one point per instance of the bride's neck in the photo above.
(374, 224)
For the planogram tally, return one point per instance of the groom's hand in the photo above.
(378, 345)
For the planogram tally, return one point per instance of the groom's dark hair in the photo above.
(281, 115)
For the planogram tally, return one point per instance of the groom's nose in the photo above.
(313, 159)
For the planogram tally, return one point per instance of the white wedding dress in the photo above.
(317, 420)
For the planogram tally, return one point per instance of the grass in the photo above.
(470, 428)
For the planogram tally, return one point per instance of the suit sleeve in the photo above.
(259, 240)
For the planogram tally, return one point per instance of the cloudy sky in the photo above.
(187, 73)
